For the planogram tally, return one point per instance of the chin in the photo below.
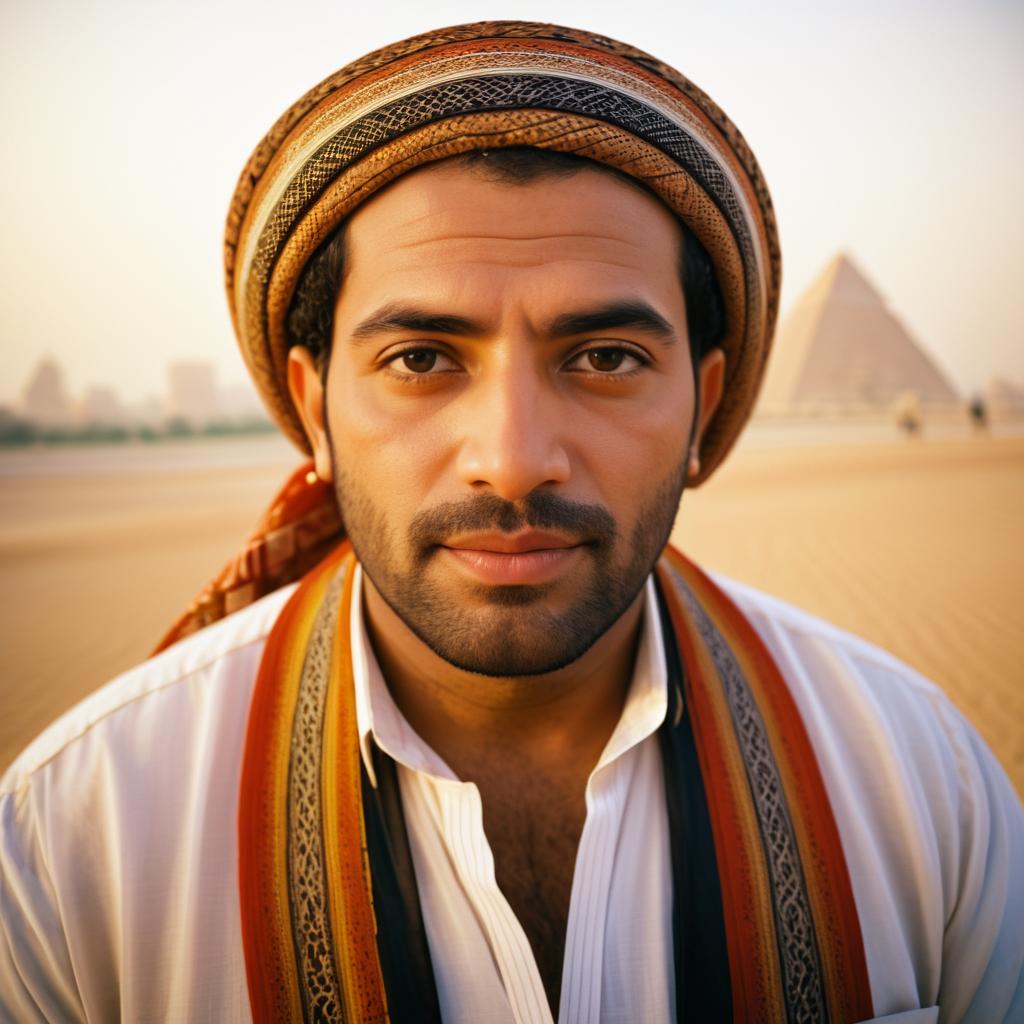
(499, 656)
(514, 631)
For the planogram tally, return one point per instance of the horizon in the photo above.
(885, 133)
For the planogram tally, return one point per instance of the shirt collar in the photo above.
(379, 720)
(647, 699)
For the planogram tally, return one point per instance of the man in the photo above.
(499, 756)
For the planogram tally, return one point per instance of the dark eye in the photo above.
(419, 360)
(606, 360)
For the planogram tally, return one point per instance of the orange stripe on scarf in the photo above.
(349, 887)
(274, 989)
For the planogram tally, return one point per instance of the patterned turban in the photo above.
(483, 86)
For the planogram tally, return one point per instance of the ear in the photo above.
(711, 374)
(307, 390)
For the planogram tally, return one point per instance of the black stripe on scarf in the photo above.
(401, 937)
(703, 989)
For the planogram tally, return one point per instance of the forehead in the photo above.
(450, 215)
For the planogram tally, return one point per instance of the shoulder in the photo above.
(120, 819)
(827, 667)
(778, 623)
(186, 672)
(932, 831)
(869, 714)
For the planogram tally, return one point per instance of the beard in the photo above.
(507, 630)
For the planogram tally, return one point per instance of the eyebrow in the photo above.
(398, 317)
(632, 313)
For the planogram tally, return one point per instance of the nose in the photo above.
(513, 433)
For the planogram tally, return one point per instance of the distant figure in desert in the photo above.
(978, 412)
(908, 414)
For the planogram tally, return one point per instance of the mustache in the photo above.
(541, 510)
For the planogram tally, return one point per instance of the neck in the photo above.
(562, 718)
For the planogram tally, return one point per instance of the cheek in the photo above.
(630, 448)
(395, 448)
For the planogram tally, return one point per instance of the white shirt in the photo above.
(118, 864)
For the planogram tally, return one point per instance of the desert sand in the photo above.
(916, 545)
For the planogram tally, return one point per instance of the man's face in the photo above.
(508, 406)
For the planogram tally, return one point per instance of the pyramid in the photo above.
(841, 348)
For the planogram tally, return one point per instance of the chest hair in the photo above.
(534, 830)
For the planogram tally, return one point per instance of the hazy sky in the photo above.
(894, 130)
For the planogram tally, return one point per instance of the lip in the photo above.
(513, 543)
(501, 559)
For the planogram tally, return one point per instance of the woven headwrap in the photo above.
(489, 85)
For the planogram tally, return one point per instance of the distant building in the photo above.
(192, 393)
(842, 349)
(101, 406)
(45, 399)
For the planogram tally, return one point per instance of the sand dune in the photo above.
(916, 546)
